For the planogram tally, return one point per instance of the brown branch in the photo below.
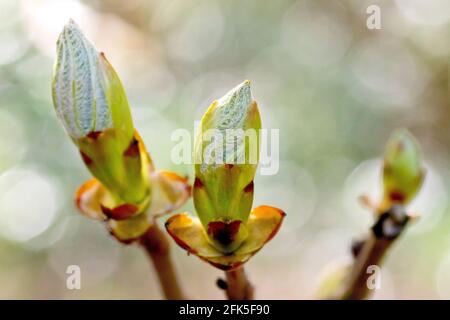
(155, 243)
(371, 251)
(237, 286)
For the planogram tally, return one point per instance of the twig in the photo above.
(372, 250)
(155, 243)
(237, 286)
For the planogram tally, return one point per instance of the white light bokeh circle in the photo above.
(436, 12)
(292, 189)
(12, 46)
(87, 246)
(28, 203)
(386, 289)
(12, 140)
(44, 20)
(9, 14)
(364, 180)
(443, 278)
(389, 71)
(314, 36)
(199, 35)
(321, 249)
(59, 229)
(430, 203)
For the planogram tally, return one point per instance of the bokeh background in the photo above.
(334, 88)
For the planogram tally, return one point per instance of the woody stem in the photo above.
(238, 287)
(389, 226)
(371, 254)
(155, 243)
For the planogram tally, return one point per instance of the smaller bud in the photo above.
(403, 173)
